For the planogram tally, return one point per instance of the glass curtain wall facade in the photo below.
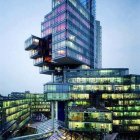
(18, 108)
(90, 5)
(86, 120)
(118, 90)
(67, 37)
(70, 50)
(15, 114)
(70, 29)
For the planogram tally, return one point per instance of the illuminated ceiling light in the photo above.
(36, 41)
(61, 52)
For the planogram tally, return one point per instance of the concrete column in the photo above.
(56, 110)
(52, 77)
(52, 114)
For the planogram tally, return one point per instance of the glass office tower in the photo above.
(86, 98)
(67, 37)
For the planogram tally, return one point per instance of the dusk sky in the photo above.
(120, 20)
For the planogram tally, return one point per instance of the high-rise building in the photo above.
(67, 37)
(87, 99)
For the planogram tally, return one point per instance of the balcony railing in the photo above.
(46, 70)
(35, 54)
(38, 62)
(91, 129)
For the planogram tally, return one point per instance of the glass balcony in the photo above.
(34, 54)
(31, 43)
(39, 62)
(46, 70)
(92, 127)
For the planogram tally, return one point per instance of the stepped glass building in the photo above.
(88, 98)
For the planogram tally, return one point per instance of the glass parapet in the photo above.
(96, 73)
(91, 127)
(98, 80)
(32, 43)
(99, 88)
(57, 88)
(58, 96)
(35, 54)
(90, 116)
(46, 70)
(39, 62)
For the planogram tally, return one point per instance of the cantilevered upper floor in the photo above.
(67, 37)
